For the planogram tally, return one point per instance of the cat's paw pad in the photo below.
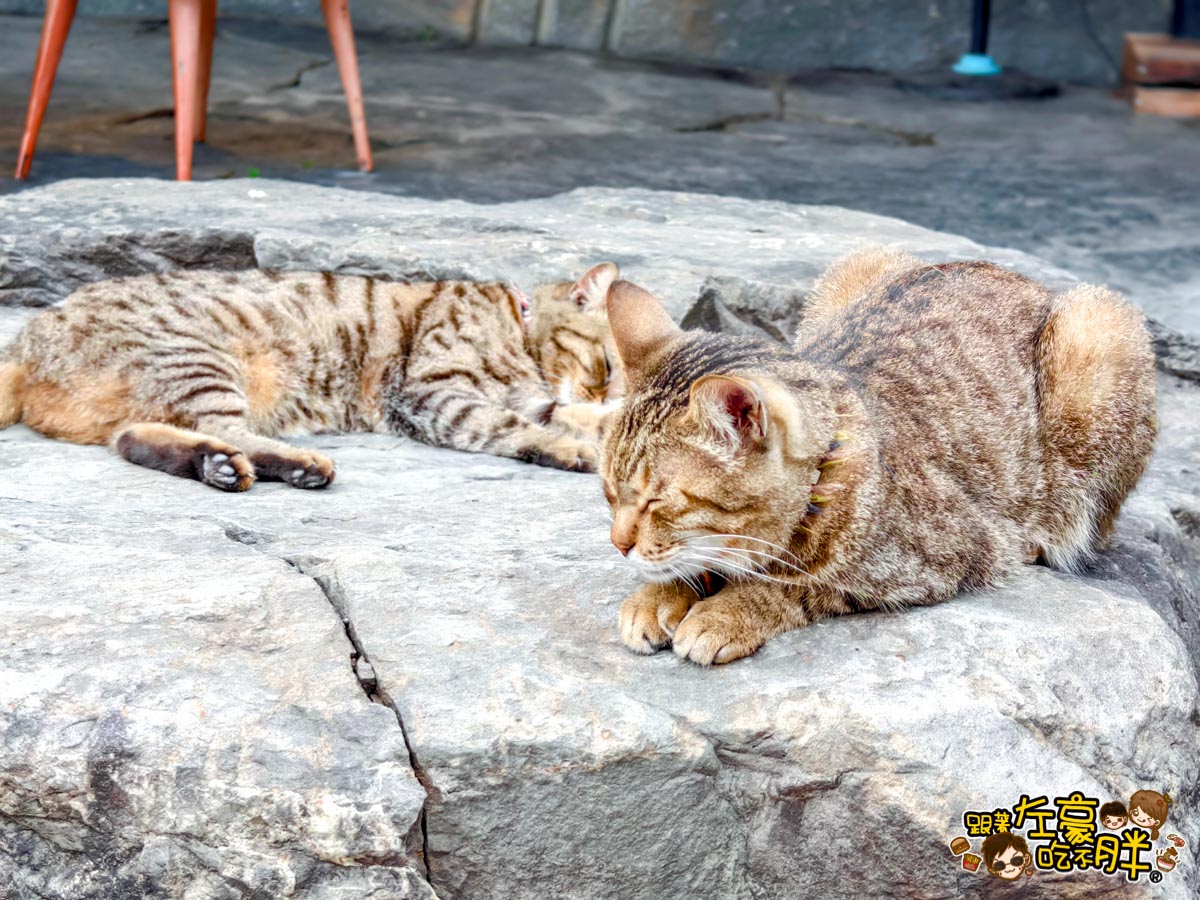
(299, 468)
(709, 634)
(311, 470)
(227, 469)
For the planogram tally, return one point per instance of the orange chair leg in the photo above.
(55, 26)
(208, 31)
(341, 35)
(185, 18)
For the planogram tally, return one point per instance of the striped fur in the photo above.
(933, 427)
(196, 373)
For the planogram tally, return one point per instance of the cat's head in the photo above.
(570, 338)
(711, 462)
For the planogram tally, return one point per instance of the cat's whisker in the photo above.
(746, 553)
(678, 573)
(726, 562)
(745, 537)
(725, 554)
(687, 578)
(741, 551)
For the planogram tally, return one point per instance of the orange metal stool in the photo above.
(193, 24)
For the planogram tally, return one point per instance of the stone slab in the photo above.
(483, 595)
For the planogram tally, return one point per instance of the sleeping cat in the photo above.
(933, 426)
(192, 373)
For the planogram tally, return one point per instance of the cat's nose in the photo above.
(624, 531)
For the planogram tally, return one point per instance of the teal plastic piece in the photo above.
(976, 64)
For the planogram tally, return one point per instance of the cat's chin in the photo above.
(654, 573)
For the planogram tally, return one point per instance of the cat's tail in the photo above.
(12, 384)
(1096, 381)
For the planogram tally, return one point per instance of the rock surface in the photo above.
(177, 710)
(90, 229)
(480, 599)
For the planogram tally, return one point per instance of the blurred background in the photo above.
(1073, 40)
(846, 102)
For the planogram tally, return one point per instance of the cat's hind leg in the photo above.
(186, 454)
(1096, 381)
(209, 390)
(274, 460)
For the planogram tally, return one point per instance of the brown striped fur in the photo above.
(933, 427)
(196, 373)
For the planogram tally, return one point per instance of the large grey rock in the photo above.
(482, 594)
(90, 229)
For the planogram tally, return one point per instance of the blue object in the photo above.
(976, 64)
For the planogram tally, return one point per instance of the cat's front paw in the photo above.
(581, 418)
(713, 633)
(649, 617)
(570, 454)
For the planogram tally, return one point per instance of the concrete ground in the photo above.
(1077, 179)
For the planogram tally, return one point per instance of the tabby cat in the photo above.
(193, 372)
(932, 427)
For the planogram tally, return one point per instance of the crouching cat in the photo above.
(933, 427)
(193, 373)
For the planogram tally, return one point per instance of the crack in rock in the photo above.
(728, 123)
(295, 80)
(360, 663)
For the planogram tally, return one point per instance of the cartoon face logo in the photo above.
(1113, 815)
(1140, 817)
(1148, 809)
(1006, 855)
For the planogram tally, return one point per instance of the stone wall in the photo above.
(1064, 39)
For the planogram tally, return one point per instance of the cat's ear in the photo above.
(731, 412)
(640, 327)
(588, 292)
